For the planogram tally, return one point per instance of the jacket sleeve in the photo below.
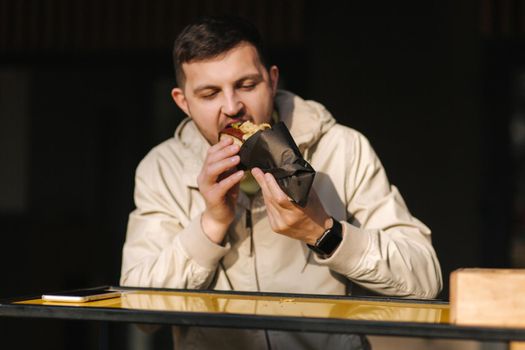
(384, 248)
(165, 247)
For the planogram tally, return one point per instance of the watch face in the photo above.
(331, 239)
(316, 250)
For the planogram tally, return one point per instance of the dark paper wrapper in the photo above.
(274, 151)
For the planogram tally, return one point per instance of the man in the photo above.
(195, 228)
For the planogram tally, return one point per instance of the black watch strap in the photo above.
(329, 240)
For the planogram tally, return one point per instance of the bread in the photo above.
(241, 131)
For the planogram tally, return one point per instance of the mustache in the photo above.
(238, 115)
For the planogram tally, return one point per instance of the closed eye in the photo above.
(208, 95)
(248, 85)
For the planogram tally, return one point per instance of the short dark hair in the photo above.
(209, 37)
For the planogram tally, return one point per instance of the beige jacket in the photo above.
(384, 248)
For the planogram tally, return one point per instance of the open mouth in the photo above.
(237, 121)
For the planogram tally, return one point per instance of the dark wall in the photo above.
(408, 78)
(411, 77)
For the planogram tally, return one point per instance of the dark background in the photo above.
(437, 86)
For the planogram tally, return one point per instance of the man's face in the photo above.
(232, 87)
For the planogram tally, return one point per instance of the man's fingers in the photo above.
(259, 177)
(277, 194)
(217, 193)
(221, 158)
(270, 189)
(212, 172)
(217, 168)
(219, 145)
(218, 153)
(222, 187)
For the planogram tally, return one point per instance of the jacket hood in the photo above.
(306, 120)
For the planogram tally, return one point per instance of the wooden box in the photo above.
(488, 297)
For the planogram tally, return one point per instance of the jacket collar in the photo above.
(306, 120)
(192, 147)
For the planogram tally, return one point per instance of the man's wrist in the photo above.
(312, 239)
(330, 240)
(214, 230)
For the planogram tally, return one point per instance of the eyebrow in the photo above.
(204, 87)
(256, 76)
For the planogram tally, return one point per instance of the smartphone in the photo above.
(81, 295)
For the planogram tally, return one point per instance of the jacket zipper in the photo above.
(249, 228)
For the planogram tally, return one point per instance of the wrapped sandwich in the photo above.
(242, 131)
(273, 150)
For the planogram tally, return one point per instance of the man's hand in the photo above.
(219, 185)
(287, 218)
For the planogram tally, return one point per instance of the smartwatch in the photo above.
(329, 240)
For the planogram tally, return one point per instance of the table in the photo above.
(272, 311)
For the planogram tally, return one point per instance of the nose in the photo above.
(232, 105)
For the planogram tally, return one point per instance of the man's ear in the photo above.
(274, 78)
(180, 99)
